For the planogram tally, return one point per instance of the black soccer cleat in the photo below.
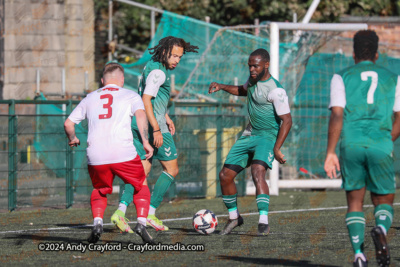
(263, 229)
(360, 263)
(381, 247)
(231, 224)
(141, 231)
(96, 233)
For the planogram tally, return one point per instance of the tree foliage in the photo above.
(132, 24)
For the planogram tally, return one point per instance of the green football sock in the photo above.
(263, 204)
(160, 188)
(263, 207)
(127, 194)
(355, 222)
(230, 202)
(384, 216)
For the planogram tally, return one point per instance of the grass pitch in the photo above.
(307, 229)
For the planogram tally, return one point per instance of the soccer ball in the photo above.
(205, 222)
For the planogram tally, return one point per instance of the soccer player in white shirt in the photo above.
(109, 111)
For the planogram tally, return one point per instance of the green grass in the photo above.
(297, 238)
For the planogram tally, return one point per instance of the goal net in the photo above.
(304, 61)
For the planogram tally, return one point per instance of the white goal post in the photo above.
(274, 29)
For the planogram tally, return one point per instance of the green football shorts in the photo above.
(248, 149)
(165, 153)
(367, 166)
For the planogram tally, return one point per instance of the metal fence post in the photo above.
(172, 188)
(219, 146)
(69, 178)
(12, 157)
(244, 174)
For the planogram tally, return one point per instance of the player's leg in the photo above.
(132, 173)
(236, 161)
(141, 199)
(354, 176)
(167, 177)
(258, 171)
(119, 218)
(355, 221)
(102, 179)
(382, 185)
(229, 196)
(167, 156)
(262, 161)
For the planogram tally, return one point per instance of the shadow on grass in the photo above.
(184, 230)
(270, 261)
(22, 238)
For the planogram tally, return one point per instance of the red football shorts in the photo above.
(131, 172)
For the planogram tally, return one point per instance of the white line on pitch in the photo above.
(185, 218)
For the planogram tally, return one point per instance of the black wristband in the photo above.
(159, 130)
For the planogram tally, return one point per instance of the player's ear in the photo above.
(376, 56)
(102, 81)
(267, 64)
(354, 56)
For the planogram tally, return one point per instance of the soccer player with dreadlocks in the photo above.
(155, 92)
(364, 97)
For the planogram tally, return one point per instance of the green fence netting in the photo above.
(205, 129)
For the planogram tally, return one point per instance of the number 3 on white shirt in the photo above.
(107, 106)
(374, 84)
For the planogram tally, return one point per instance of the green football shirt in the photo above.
(266, 101)
(155, 81)
(367, 92)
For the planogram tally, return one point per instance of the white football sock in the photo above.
(263, 219)
(234, 214)
(360, 255)
(122, 207)
(142, 220)
(97, 221)
(152, 211)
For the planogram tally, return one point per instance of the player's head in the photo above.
(113, 73)
(365, 44)
(258, 64)
(170, 50)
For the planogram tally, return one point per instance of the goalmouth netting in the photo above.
(304, 58)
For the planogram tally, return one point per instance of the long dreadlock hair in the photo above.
(162, 51)
(365, 44)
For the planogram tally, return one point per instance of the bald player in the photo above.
(109, 111)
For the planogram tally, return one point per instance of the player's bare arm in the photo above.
(232, 89)
(396, 126)
(335, 128)
(282, 134)
(69, 128)
(143, 127)
(171, 125)
(158, 138)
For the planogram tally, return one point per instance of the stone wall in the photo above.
(49, 36)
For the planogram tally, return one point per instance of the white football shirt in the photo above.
(109, 111)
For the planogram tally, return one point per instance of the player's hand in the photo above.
(171, 126)
(74, 142)
(158, 139)
(279, 156)
(149, 150)
(214, 87)
(331, 165)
